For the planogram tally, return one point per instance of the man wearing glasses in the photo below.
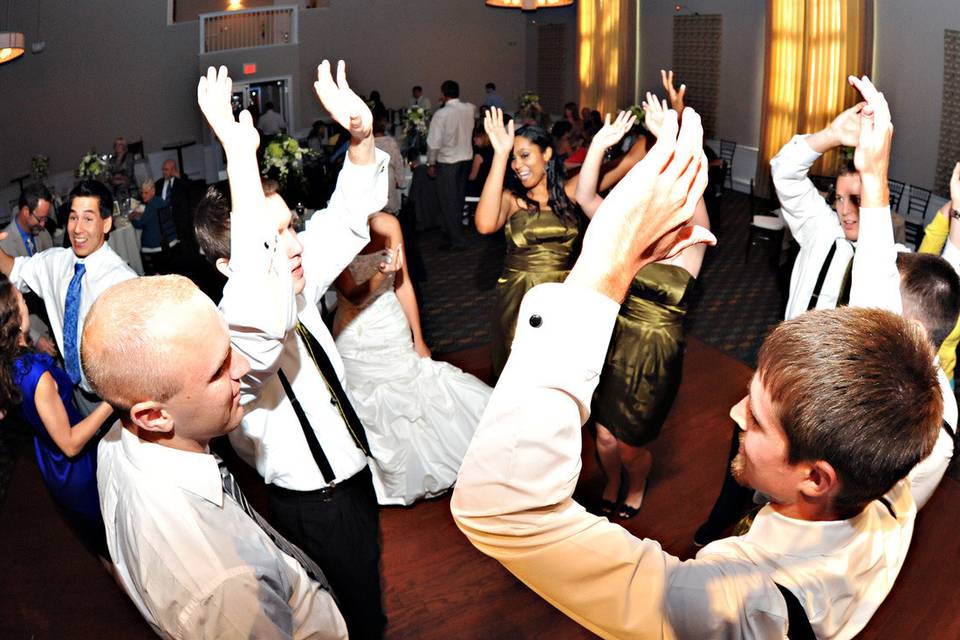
(26, 236)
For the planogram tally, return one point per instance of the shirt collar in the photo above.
(197, 473)
(102, 254)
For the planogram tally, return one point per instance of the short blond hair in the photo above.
(126, 351)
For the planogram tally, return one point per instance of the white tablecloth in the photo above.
(126, 242)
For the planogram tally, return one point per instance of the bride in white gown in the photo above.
(419, 414)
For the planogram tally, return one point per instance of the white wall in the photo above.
(114, 67)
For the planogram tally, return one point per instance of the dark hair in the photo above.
(856, 388)
(211, 225)
(572, 106)
(930, 289)
(560, 129)
(267, 106)
(379, 121)
(31, 196)
(417, 87)
(375, 96)
(557, 194)
(10, 349)
(490, 85)
(94, 189)
(450, 89)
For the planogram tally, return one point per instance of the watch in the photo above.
(955, 214)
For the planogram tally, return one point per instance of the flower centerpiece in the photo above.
(92, 166)
(416, 122)
(283, 161)
(530, 111)
(529, 100)
(39, 168)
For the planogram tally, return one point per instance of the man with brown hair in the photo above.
(843, 405)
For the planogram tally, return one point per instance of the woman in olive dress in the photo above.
(540, 217)
(641, 374)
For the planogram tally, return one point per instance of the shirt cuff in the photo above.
(562, 336)
(800, 151)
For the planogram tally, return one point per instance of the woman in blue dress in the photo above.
(64, 442)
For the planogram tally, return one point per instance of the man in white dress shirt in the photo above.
(449, 154)
(418, 99)
(828, 434)
(300, 432)
(69, 280)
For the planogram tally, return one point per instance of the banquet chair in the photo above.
(914, 234)
(727, 149)
(141, 161)
(896, 193)
(917, 205)
(764, 227)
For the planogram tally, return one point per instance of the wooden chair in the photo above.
(727, 149)
(896, 193)
(764, 227)
(917, 205)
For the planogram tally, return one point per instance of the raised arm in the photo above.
(610, 134)
(495, 205)
(258, 302)
(804, 209)
(675, 95)
(70, 439)
(875, 280)
(336, 234)
(513, 498)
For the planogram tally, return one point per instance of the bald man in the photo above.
(194, 557)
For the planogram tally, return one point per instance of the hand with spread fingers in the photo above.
(654, 111)
(501, 137)
(612, 132)
(214, 94)
(645, 217)
(675, 95)
(344, 106)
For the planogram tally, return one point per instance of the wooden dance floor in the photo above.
(436, 585)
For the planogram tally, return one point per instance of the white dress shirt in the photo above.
(193, 562)
(875, 282)
(423, 101)
(513, 500)
(270, 436)
(270, 123)
(48, 274)
(450, 138)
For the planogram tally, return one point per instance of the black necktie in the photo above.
(338, 397)
(843, 296)
(232, 489)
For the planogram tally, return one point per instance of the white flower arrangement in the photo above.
(416, 120)
(92, 166)
(529, 101)
(286, 156)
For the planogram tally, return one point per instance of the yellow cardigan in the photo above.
(934, 239)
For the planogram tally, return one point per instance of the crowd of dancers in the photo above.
(340, 422)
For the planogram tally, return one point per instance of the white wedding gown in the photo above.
(419, 414)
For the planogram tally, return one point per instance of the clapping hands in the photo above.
(341, 102)
(501, 137)
(214, 94)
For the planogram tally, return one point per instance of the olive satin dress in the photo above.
(540, 247)
(641, 374)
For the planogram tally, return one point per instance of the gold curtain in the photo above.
(606, 53)
(812, 46)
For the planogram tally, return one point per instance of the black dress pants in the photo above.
(451, 190)
(340, 530)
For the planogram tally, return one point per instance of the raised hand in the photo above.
(653, 113)
(845, 128)
(501, 137)
(341, 102)
(872, 154)
(675, 95)
(645, 217)
(214, 94)
(612, 133)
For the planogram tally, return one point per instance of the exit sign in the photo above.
(249, 68)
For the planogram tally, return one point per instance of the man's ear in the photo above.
(151, 416)
(223, 266)
(821, 480)
(107, 224)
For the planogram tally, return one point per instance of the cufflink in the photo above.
(535, 321)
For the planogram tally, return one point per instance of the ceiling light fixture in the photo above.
(11, 42)
(528, 5)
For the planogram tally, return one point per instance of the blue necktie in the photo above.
(71, 315)
(29, 242)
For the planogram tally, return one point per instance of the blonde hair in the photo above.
(126, 351)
